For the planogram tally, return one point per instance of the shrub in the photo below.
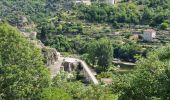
(164, 26)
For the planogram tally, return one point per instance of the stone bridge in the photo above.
(72, 64)
(88, 73)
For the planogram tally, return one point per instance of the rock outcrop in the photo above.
(50, 54)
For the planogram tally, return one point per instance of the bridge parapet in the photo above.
(89, 74)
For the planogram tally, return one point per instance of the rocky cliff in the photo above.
(50, 54)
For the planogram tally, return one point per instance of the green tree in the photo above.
(60, 28)
(164, 26)
(61, 43)
(54, 94)
(128, 51)
(101, 52)
(78, 91)
(22, 71)
(151, 78)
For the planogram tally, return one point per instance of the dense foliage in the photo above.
(54, 94)
(152, 12)
(35, 11)
(22, 71)
(79, 91)
(147, 12)
(23, 75)
(101, 53)
(127, 51)
(109, 13)
(149, 80)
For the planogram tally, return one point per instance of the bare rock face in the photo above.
(22, 21)
(50, 54)
(30, 35)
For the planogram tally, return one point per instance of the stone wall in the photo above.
(51, 55)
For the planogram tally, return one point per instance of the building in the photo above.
(110, 1)
(149, 35)
(87, 2)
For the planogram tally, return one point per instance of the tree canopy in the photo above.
(22, 71)
(151, 77)
(101, 52)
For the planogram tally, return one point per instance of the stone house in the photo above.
(149, 35)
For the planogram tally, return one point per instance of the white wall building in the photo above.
(110, 1)
(87, 2)
(149, 35)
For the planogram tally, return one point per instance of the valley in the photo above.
(84, 49)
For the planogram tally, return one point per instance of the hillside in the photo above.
(108, 51)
